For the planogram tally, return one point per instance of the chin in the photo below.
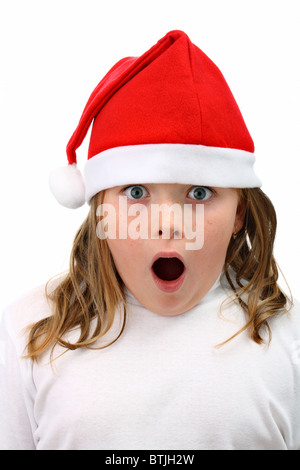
(170, 305)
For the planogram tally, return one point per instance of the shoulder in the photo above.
(293, 312)
(295, 309)
(29, 308)
(294, 316)
(286, 325)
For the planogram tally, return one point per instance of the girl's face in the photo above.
(158, 261)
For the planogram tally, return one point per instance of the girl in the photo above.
(149, 341)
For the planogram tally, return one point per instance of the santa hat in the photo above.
(167, 116)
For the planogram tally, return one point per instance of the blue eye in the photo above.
(136, 192)
(200, 193)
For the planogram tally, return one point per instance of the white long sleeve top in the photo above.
(162, 385)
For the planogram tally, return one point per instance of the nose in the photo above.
(173, 234)
(166, 221)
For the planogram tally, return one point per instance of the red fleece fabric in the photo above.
(171, 94)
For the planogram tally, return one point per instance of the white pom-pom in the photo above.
(67, 186)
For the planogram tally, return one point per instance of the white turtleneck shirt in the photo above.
(164, 384)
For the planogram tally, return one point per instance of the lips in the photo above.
(168, 271)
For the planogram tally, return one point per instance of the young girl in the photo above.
(153, 339)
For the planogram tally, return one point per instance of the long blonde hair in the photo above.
(92, 290)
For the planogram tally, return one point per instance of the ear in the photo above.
(240, 213)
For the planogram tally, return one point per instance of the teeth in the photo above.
(168, 269)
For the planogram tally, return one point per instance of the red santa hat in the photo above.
(167, 116)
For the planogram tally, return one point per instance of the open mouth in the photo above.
(168, 272)
(168, 269)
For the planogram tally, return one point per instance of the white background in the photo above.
(53, 54)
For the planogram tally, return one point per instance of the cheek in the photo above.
(217, 233)
(121, 250)
(127, 257)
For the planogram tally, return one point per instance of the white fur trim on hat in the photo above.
(170, 163)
